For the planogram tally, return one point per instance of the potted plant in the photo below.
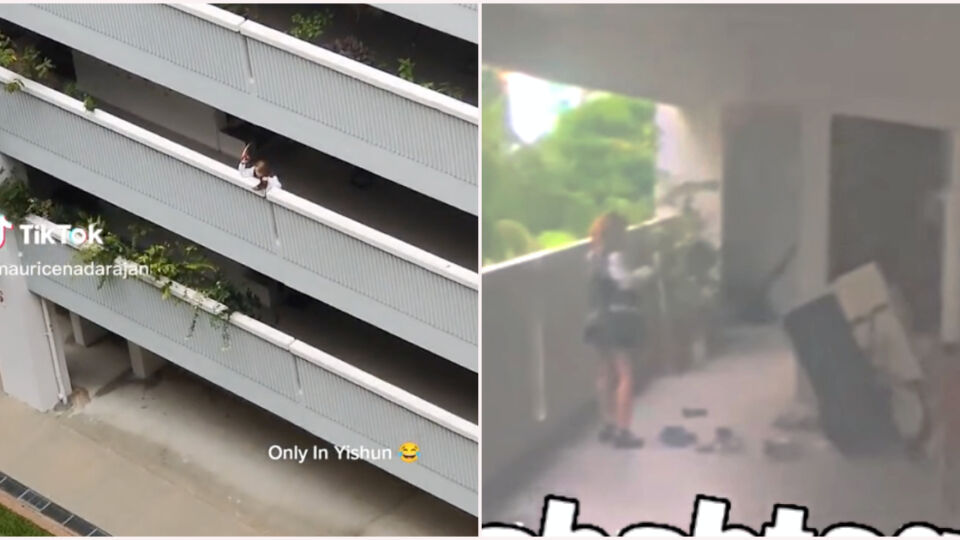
(687, 284)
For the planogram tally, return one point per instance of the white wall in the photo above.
(147, 100)
(27, 370)
(950, 279)
(691, 149)
(768, 203)
(690, 141)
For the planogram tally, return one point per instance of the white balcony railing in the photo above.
(536, 381)
(399, 130)
(402, 289)
(312, 389)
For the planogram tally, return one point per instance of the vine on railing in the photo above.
(405, 71)
(71, 90)
(168, 262)
(25, 61)
(29, 63)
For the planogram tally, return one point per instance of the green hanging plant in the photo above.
(13, 86)
(168, 262)
(28, 62)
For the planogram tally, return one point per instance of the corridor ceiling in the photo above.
(898, 58)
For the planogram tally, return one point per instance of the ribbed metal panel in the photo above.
(442, 451)
(239, 351)
(325, 393)
(367, 112)
(377, 274)
(411, 143)
(408, 288)
(168, 180)
(177, 37)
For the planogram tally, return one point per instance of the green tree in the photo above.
(601, 156)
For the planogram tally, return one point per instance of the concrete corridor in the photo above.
(179, 456)
(745, 388)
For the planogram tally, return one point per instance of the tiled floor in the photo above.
(744, 389)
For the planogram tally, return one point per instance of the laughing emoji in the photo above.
(409, 452)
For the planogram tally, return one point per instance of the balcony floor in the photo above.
(385, 206)
(744, 389)
(143, 452)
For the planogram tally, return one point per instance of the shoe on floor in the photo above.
(677, 437)
(627, 440)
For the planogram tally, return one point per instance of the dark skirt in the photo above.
(615, 329)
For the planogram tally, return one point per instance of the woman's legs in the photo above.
(615, 397)
(623, 390)
(606, 378)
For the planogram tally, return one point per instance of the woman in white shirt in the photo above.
(259, 170)
(614, 326)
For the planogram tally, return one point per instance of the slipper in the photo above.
(677, 437)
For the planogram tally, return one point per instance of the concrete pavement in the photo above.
(107, 489)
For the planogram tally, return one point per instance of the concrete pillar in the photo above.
(32, 366)
(268, 292)
(776, 194)
(144, 362)
(690, 150)
(813, 248)
(59, 339)
(86, 333)
(764, 182)
(950, 280)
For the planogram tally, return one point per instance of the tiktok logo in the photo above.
(51, 233)
(4, 227)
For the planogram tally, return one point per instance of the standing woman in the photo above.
(615, 326)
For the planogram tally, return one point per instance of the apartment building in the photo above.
(363, 264)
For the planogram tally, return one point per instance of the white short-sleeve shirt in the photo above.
(272, 181)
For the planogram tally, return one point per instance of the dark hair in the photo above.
(608, 232)
(261, 169)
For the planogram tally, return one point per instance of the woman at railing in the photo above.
(614, 326)
(259, 170)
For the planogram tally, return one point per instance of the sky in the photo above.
(534, 105)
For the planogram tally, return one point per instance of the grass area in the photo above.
(12, 524)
